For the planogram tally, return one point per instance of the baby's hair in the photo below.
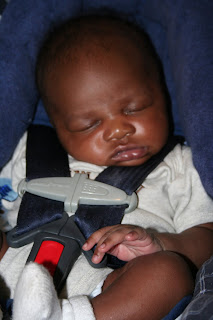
(77, 38)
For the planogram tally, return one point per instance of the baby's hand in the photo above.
(126, 242)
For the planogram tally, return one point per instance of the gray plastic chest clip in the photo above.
(78, 190)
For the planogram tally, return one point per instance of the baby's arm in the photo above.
(3, 244)
(126, 242)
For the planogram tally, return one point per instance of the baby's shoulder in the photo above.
(180, 159)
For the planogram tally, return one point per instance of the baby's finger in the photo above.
(137, 234)
(94, 238)
(113, 238)
(97, 256)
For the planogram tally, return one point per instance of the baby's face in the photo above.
(109, 112)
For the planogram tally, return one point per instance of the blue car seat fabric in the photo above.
(181, 32)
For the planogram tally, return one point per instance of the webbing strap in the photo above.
(45, 158)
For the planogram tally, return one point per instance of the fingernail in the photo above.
(95, 257)
(85, 245)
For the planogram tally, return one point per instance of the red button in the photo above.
(49, 255)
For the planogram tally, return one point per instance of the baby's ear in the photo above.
(35, 297)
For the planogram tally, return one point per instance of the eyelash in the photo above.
(132, 111)
(91, 126)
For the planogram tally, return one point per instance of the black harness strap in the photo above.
(45, 158)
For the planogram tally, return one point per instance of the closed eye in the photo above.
(87, 127)
(131, 111)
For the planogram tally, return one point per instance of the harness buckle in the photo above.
(57, 245)
(78, 190)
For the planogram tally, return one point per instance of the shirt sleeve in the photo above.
(191, 204)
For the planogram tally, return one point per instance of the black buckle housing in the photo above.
(64, 231)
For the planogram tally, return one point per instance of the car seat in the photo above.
(180, 30)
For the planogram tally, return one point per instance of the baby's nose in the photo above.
(117, 130)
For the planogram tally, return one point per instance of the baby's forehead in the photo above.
(95, 42)
(87, 36)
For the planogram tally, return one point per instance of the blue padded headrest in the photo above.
(181, 32)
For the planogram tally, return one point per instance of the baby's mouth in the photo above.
(129, 153)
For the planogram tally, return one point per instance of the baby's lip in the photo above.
(130, 152)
